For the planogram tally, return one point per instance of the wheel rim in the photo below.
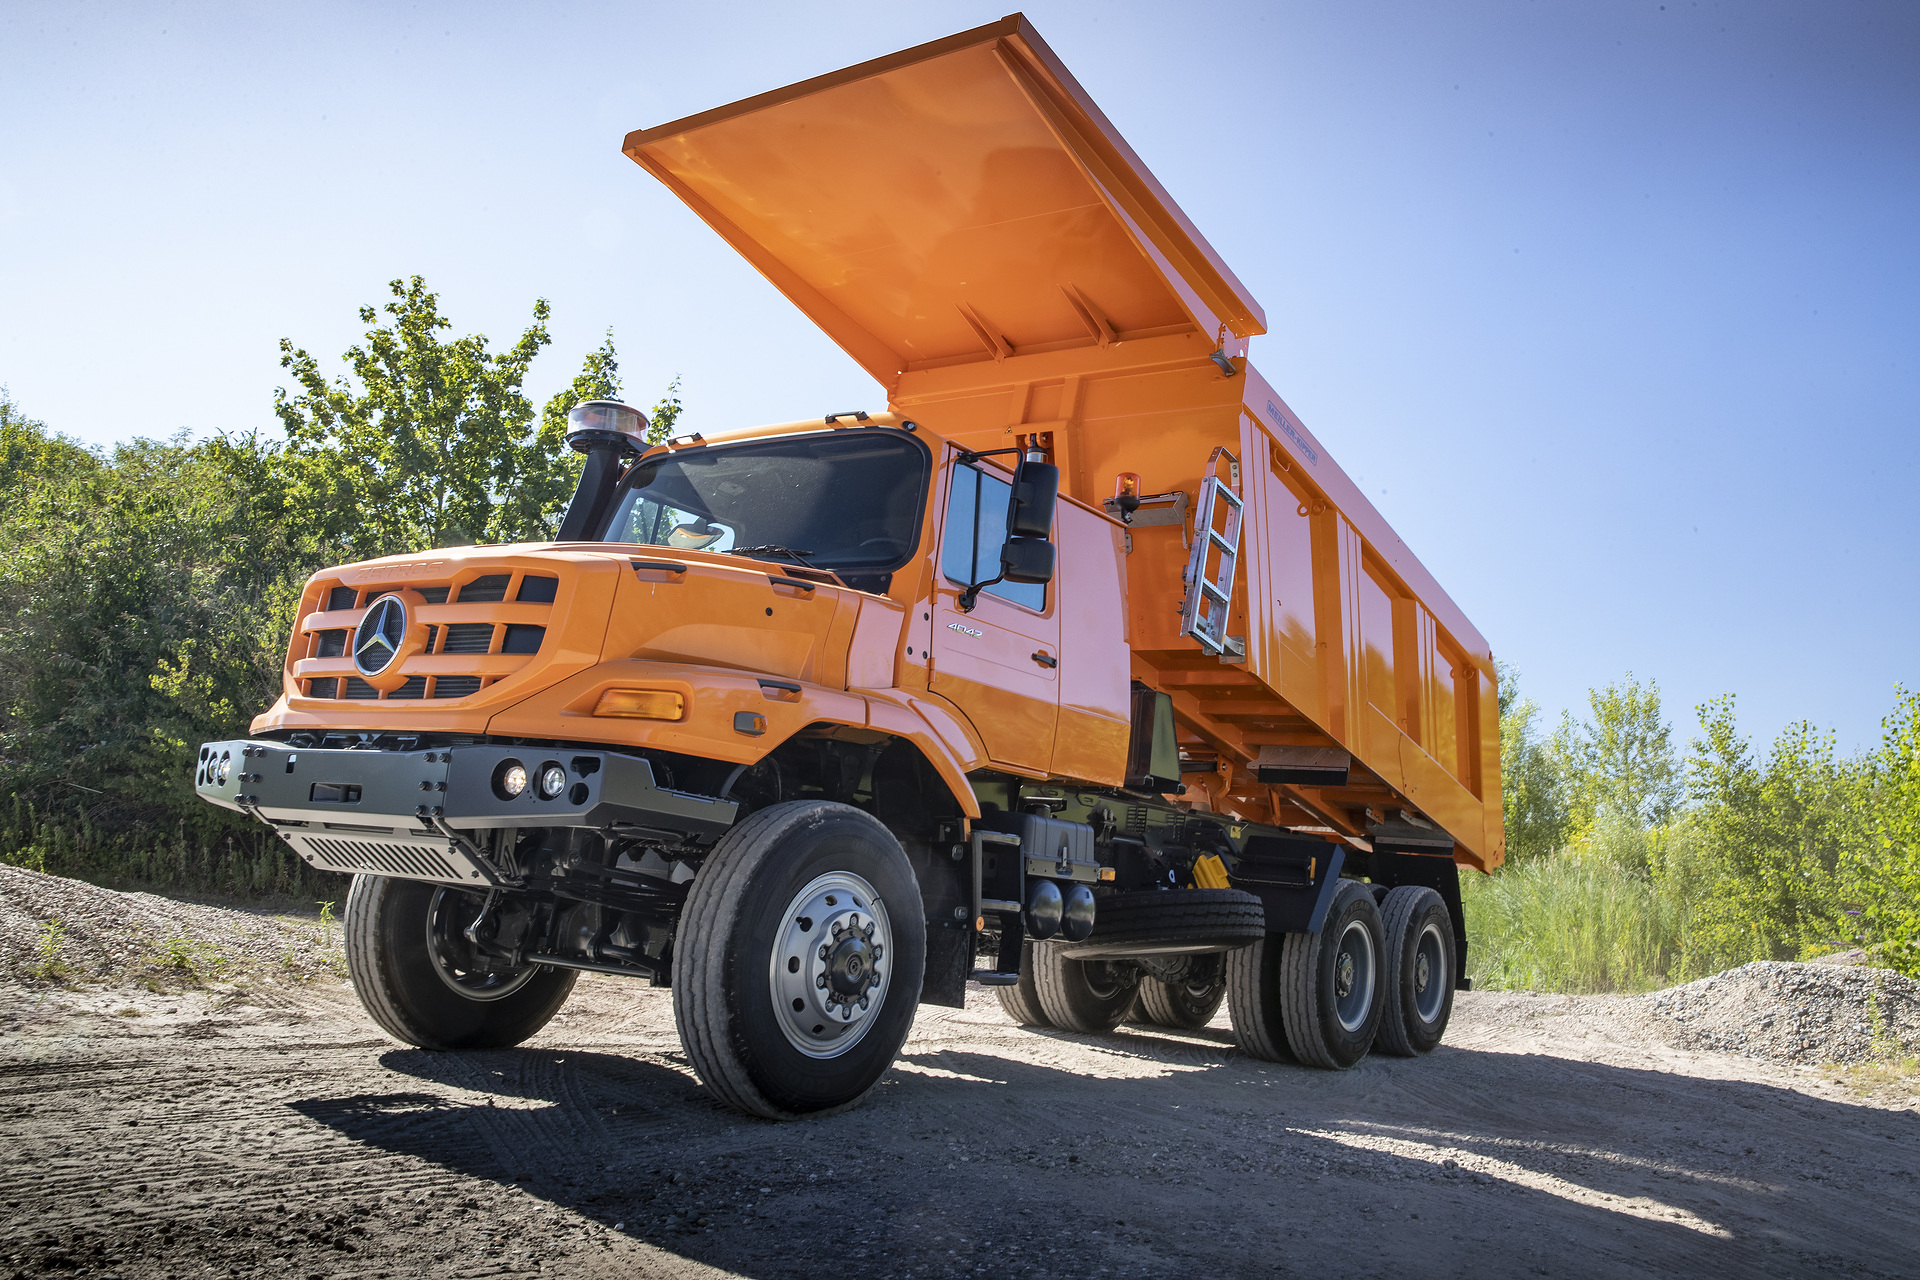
(830, 968)
(1430, 976)
(454, 958)
(1105, 981)
(1203, 982)
(1353, 976)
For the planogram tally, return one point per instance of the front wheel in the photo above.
(423, 982)
(799, 959)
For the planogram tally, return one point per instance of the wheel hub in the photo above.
(1343, 976)
(852, 965)
(1422, 972)
(829, 969)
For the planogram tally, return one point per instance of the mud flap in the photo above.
(1294, 878)
(949, 961)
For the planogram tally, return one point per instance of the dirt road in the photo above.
(273, 1131)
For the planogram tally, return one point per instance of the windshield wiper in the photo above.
(775, 549)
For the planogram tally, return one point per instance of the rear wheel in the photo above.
(1189, 1002)
(1253, 999)
(1419, 971)
(799, 961)
(1022, 1001)
(423, 982)
(1330, 982)
(1082, 995)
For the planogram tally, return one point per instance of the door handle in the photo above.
(1044, 659)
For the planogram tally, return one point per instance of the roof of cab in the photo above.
(956, 202)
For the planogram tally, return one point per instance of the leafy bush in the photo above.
(149, 589)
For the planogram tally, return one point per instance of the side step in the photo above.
(989, 978)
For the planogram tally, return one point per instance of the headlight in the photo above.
(510, 780)
(553, 780)
(220, 772)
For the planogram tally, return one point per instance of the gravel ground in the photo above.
(52, 927)
(1802, 1013)
(265, 1128)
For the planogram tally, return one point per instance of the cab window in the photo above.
(976, 529)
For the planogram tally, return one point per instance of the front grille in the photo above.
(491, 589)
(468, 637)
(476, 638)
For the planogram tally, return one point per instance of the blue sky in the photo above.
(1613, 309)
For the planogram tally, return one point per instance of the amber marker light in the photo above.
(641, 704)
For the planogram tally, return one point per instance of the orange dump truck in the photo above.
(1081, 672)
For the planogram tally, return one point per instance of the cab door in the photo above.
(999, 663)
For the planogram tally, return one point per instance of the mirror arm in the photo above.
(971, 595)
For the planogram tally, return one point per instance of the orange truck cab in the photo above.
(1082, 672)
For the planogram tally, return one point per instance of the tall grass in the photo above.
(247, 864)
(1568, 923)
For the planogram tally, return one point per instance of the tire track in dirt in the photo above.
(1560, 1144)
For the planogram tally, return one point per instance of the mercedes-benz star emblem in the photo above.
(378, 640)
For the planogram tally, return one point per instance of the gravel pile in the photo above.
(57, 930)
(1800, 1013)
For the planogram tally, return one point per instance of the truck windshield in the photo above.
(848, 501)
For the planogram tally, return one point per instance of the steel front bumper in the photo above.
(413, 814)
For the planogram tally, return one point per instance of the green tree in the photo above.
(1621, 761)
(428, 441)
(1533, 792)
(1767, 877)
(1887, 865)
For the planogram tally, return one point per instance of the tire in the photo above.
(1419, 972)
(1170, 922)
(1189, 1003)
(1330, 982)
(773, 1027)
(1090, 996)
(1253, 999)
(413, 989)
(1022, 1002)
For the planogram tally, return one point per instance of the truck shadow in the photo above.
(965, 1160)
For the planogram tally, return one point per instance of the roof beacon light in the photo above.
(594, 424)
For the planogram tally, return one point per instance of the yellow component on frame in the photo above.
(641, 704)
(1209, 872)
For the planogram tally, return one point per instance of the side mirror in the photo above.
(1036, 487)
(1026, 560)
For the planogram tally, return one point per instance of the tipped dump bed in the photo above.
(962, 219)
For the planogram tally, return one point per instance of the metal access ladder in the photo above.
(1209, 575)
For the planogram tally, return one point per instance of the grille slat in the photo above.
(341, 598)
(327, 687)
(535, 589)
(491, 589)
(468, 637)
(371, 855)
(433, 595)
(522, 639)
(330, 644)
(359, 689)
(455, 686)
(415, 687)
